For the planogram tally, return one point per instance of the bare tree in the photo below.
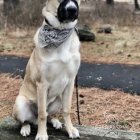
(137, 7)
(110, 2)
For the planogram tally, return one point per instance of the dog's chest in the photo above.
(59, 72)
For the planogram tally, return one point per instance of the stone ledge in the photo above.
(9, 130)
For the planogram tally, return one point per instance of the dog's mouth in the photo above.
(68, 11)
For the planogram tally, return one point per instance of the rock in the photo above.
(105, 29)
(85, 34)
(81, 96)
(9, 130)
(129, 55)
(82, 102)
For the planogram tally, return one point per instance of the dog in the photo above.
(50, 73)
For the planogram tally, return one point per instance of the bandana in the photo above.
(50, 37)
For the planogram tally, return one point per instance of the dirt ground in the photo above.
(122, 46)
(108, 109)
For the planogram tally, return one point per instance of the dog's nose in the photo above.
(71, 12)
(68, 11)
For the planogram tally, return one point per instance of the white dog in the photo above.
(50, 73)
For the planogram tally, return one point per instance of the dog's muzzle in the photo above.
(68, 10)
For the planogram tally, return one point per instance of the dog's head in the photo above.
(62, 13)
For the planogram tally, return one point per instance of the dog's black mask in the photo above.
(68, 10)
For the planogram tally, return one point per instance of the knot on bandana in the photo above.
(50, 37)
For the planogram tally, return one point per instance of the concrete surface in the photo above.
(9, 130)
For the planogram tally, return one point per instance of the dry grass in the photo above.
(122, 46)
(9, 88)
(17, 42)
(109, 109)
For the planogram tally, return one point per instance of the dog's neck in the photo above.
(51, 37)
(58, 25)
(47, 22)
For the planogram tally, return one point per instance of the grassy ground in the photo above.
(122, 46)
(108, 109)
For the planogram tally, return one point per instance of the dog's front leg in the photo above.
(67, 101)
(42, 90)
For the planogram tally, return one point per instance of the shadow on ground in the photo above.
(105, 76)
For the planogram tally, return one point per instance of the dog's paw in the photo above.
(41, 137)
(25, 130)
(56, 123)
(74, 133)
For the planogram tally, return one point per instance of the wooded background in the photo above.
(28, 13)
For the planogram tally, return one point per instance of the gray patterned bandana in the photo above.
(50, 37)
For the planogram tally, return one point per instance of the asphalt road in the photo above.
(105, 76)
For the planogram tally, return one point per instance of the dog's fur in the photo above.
(49, 80)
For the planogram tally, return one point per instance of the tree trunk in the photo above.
(110, 2)
(10, 6)
(136, 5)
